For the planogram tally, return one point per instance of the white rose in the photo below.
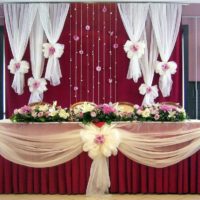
(146, 113)
(63, 114)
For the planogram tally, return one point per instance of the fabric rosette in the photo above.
(134, 50)
(53, 52)
(18, 68)
(100, 143)
(37, 87)
(165, 70)
(150, 92)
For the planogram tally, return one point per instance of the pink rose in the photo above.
(139, 112)
(157, 117)
(16, 111)
(99, 139)
(93, 114)
(40, 114)
(136, 106)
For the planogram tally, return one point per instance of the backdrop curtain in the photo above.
(166, 19)
(126, 176)
(134, 16)
(37, 85)
(53, 18)
(18, 19)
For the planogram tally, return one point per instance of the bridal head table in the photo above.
(124, 157)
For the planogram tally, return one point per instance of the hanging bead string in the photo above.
(81, 55)
(115, 46)
(70, 56)
(87, 57)
(110, 52)
(93, 45)
(98, 68)
(104, 52)
(76, 38)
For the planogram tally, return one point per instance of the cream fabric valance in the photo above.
(155, 144)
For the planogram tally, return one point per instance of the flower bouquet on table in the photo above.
(159, 112)
(87, 113)
(41, 113)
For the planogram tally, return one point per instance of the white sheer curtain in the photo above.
(134, 17)
(147, 63)
(19, 19)
(37, 85)
(53, 18)
(166, 19)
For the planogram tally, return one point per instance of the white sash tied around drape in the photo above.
(150, 92)
(53, 52)
(100, 143)
(37, 87)
(134, 50)
(165, 70)
(18, 68)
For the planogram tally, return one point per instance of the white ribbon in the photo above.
(134, 50)
(165, 70)
(18, 68)
(53, 52)
(37, 87)
(150, 92)
(100, 143)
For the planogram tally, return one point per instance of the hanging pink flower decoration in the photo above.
(81, 52)
(98, 68)
(110, 33)
(110, 80)
(76, 37)
(87, 27)
(36, 84)
(115, 46)
(75, 88)
(104, 9)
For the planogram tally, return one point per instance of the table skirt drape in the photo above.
(126, 177)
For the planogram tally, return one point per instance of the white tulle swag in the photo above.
(53, 50)
(37, 87)
(100, 141)
(150, 92)
(165, 70)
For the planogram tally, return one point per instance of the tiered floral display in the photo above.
(88, 113)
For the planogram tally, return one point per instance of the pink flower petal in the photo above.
(87, 27)
(104, 9)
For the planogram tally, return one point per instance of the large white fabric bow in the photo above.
(18, 68)
(53, 52)
(100, 143)
(37, 87)
(134, 50)
(150, 92)
(165, 70)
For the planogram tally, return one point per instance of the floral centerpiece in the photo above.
(88, 113)
(41, 113)
(91, 113)
(159, 112)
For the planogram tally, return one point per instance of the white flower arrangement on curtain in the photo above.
(18, 19)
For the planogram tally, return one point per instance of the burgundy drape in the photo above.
(126, 175)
